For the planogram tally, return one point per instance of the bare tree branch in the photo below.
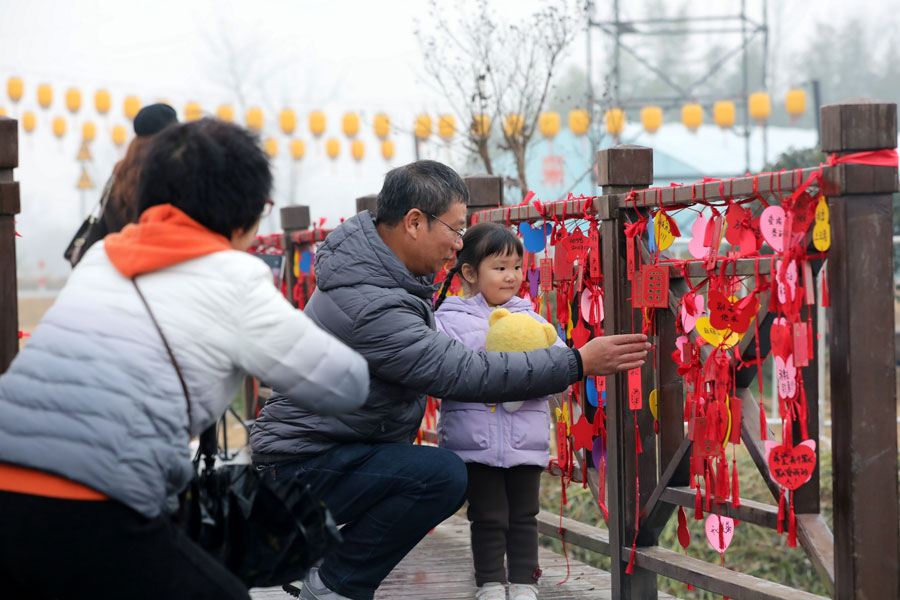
(485, 66)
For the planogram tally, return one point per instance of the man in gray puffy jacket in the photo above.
(374, 289)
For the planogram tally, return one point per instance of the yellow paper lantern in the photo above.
(73, 100)
(548, 123)
(350, 124)
(723, 113)
(88, 131)
(317, 123)
(692, 116)
(382, 125)
(59, 126)
(287, 120)
(481, 126)
(193, 111)
(118, 135)
(446, 127)
(15, 88)
(29, 121)
(132, 106)
(423, 127)
(2, 112)
(225, 113)
(513, 124)
(387, 149)
(760, 106)
(255, 118)
(271, 146)
(45, 95)
(357, 150)
(298, 149)
(615, 121)
(102, 101)
(579, 121)
(795, 102)
(332, 148)
(651, 118)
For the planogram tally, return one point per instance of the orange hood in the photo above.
(163, 237)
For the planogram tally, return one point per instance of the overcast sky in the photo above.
(336, 55)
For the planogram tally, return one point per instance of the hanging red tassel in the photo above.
(630, 568)
(722, 487)
(781, 512)
(563, 482)
(763, 428)
(604, 509)
(698, 506)
(792, 525)
(826, 298)
(637, 437)
(708, 486)
(735, 486)
(721, 539)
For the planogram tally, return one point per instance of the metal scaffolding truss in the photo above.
(746, 30)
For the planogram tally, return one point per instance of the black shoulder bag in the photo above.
(266, 534)
(92, 229)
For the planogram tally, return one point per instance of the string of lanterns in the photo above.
(759, 107)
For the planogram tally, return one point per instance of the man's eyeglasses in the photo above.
(459, 232)
(267, 208)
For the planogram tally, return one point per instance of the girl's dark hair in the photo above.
(481, 241)
(216, 172)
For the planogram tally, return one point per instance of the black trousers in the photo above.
(52, 548)
(503, 508)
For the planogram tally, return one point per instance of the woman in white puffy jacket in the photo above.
(94, 426)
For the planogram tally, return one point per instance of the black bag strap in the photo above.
(187, 395)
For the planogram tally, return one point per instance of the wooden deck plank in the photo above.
(440, 567)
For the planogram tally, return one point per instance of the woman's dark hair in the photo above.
(121, 206)
(214, 171)
(481, 241)
(427, 185)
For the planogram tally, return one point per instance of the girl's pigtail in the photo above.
(445, 287)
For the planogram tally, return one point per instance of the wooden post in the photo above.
(863, 396)
(485, 191)
(621, 169)
(293, 219)
(9, 208)
(368, 203)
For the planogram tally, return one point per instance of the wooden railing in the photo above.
(861, 560)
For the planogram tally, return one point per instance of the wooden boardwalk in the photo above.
(440, 568)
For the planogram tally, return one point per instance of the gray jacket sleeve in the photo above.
(394, 337)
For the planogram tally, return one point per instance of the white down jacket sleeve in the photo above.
(284, 348)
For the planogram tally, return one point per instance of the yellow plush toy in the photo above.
(517, 332)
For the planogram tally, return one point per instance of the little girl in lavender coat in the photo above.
(505, 446)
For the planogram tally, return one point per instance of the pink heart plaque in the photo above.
(713, 523)
(772, 225)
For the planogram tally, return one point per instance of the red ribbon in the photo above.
(877, 158)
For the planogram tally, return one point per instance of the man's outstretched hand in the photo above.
(613, 353)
